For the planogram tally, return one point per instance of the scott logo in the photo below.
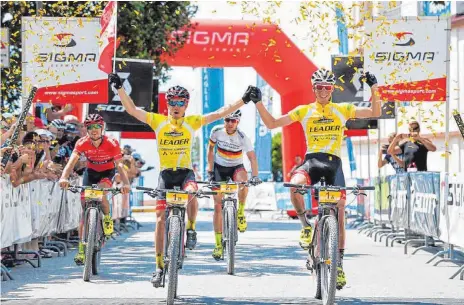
(64, 40)
(402, 36)
(111, 108)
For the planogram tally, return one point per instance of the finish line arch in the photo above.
(264, 47)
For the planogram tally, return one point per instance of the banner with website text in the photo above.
(409, 57)
(263, 137)
(61, 56)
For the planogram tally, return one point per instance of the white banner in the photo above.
(409, 57)
(455, 207)
(4, 48)
(61, 55)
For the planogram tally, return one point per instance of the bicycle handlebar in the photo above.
(80, 188)
(315, 187)
(211, 184)
(152, 192)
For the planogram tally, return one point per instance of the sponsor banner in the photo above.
(263, 143)
(400, 194)
(61, 56)
(351, 158)
(261, 197)
(282, 197)
(213, 99)
(408, 56)
(459, 122)
(455, 206)
(137, 77)
(424, 208)
(436, 8)
(348, 88)
(4, 48)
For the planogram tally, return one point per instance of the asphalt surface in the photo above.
(270, 269)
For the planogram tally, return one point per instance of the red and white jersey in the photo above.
(99, 158)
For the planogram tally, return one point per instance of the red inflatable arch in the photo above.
(269, 51)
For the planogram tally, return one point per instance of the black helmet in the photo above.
(177, 91)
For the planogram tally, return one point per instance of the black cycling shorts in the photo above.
(318, 165)
(92, 177)
(168, 179)
(226, 173)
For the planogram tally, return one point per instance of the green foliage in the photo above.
(277, 153)
(143, 28)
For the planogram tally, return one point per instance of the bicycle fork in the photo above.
(181, 215)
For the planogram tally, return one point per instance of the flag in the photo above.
(108, 37)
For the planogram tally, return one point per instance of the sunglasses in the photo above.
(231, 120)
(177, 103)
(94, 126)
(322, 87)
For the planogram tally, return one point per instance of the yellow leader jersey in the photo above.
(323, 125)
(175, 138)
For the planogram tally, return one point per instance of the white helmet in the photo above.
(236, 115)
(323, 76)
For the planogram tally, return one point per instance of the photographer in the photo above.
(414, 149)
(394, 160)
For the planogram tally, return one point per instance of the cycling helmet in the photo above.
(323, 76)
(71, 128)
(236, 115)
(59, 124)
(93, 118)
(136, 156)
(177, 91)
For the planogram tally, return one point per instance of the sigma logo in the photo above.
(63, 58)
(111, 108)
(403, 37)
(126, 85)
(226, 39)
(404, 56)
(64, 40)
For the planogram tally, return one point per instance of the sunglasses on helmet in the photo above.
(94, 126)
(322, 87)
(176, 103)
(231, 120)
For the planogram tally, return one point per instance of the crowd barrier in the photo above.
(40, 209)
(423, 206)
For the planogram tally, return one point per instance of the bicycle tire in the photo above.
(329, 251)
(231, 230)
(173, 255)
(90, 247)
(318, 283)
(96, 258)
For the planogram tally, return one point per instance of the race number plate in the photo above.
(93, 194)
(329, 197)
(229, 188)
(176, 198)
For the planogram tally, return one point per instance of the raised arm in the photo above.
(376, 108)
(222, 112)
(126, 101)
(253, 162)
(269, 120)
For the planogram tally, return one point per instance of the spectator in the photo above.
(414, 149)
(48, 112)
(127, 150)
(394, 160)
(298, 161)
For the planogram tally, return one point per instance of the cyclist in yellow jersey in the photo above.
(323, 123)
(174, 135)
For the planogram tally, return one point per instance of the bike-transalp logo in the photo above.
(402, 37)
(64, 40)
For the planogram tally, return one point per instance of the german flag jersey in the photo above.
(323, 125)
(230, 147)
(174, 138)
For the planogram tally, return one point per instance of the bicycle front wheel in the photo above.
(230, 245)
(90, 247)
(328, 259)
(173, 256)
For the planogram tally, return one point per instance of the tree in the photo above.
(276, 154)
(143, 29)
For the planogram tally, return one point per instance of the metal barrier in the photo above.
(418, 208)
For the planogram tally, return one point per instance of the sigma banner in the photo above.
(348, 88)
(424, 203)
(213, 99)
(263, 142)
(409, 57)
(5, 48)
(61, 56)
(137, 76)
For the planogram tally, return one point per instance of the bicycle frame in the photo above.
(228, 200)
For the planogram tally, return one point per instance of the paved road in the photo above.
(270, 270)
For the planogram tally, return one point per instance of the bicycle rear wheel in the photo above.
(230, 245)
(173, 255)
(90, 247)
(328, 259)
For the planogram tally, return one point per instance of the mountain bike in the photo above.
(93, 237)
(174, 246)
(229, 218)
(323, 251)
